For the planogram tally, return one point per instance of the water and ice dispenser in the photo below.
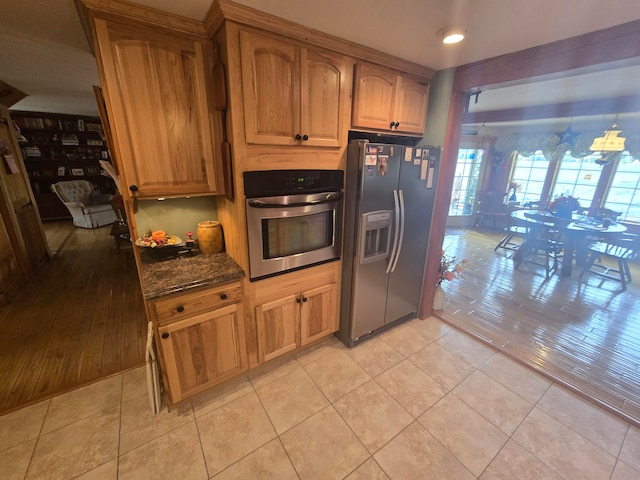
(375, 236)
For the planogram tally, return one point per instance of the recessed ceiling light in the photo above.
(452, 34)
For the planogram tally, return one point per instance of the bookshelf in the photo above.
(58, 147)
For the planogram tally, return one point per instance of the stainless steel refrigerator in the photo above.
(389, 192)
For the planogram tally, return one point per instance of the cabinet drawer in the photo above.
(178, 307)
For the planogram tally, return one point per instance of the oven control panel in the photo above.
(288, 182)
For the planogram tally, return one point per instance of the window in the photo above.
(577, 177)
(465, 182)
(624, 191)
(529, 173)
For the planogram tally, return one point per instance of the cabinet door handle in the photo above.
(305, 137)
(304, 299)
(391, 125)
(133, 188)
(298, 137)
(397, 124)
(180, 309)
(165, 335)
(297, 299)
(223, 296)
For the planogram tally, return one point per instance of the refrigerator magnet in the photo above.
(370, 159)
(369, 171)
(408, 154)
(382, 165)
(372, 149)
(431, 172)
(423, 169)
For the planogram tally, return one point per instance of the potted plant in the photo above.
(449, 269)
(564, 206)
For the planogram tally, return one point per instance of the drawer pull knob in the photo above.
(180, 309)
(165, 335)
(223, 296)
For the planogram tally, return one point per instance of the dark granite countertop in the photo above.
(186, 273)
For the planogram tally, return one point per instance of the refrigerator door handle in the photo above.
(396, 212)
(401, 239)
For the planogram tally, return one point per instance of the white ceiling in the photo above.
(45, 53)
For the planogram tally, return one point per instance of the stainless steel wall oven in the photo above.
(294, 219)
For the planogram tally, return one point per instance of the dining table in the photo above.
(578, 233)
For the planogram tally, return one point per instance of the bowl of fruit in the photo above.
(157, 239)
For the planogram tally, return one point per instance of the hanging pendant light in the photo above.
(610, 144)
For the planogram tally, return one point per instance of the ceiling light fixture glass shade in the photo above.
(451, 35)
(609, 142)
(610, 145)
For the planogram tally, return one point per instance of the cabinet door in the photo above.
(324, 96)
(271, 89)
(203, 350)
(155, 86)
(410, 109)
(318, 314)
(18, 211)
(11, 278)
(278, 327)
(373, 98)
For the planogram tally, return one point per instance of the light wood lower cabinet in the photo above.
(318, 313)
(295, 320)
(202, 350)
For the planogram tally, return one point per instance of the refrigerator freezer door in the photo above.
(372, 176)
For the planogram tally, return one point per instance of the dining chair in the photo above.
(514, 233)
(606, 213)
(609, 258)
(543, 242)
(491, 205)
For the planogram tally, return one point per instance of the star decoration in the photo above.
(567, 137)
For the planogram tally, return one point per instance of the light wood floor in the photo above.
(81, 319)
(585, 335)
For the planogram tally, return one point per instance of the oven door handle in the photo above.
(329, 198)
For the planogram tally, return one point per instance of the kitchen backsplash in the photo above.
(175, 216)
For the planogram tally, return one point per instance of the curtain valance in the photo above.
(553, 147)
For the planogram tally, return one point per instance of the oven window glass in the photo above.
(291, 235)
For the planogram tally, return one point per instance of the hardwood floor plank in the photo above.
(55, 333)
(584, 334)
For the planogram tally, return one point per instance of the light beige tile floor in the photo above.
(420, 401)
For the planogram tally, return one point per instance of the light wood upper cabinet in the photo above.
(410, 107)
(293, 95)
(203, 350)
(155, 85)
(384, 100)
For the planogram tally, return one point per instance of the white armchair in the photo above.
(77, 196)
